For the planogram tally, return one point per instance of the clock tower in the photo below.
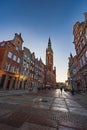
(49, 56)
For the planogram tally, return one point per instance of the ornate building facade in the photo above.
(80, 42)
(10, 62)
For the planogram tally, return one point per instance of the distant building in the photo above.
(72, 72)
(50, 71)
(36, 76)
(32, 70)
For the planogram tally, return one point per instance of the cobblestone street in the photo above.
(44, 110)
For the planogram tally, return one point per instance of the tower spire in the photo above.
(49, 44)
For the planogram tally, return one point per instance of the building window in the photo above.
(10, 54)
(83, 60)
(79, 50)
(7, 66)
(12, 68)
(24, 64)
(86, 55)
(17, 48)
(80, 33)
(80, 63)
(18, 60)
(81, 47)
(28, 58)
(17, 70)
(83, 43)
(86, 34)
(27, 65)
(14, 57)
(25, 56)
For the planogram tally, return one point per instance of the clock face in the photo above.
(48, 52)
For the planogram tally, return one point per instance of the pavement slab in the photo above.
(4, 112)
(65, 128)
(7, 127)
(31, 126)
(59, 105)
(41, 120)
(72, 103)
(80, 111)
(16, 119)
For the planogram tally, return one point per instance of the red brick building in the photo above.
(10, 62)
(80, 42)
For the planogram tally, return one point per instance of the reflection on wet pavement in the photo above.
(60, 109)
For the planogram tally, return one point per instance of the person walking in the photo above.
(61, 89)
(72, 91)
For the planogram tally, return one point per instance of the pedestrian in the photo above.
(61, 89)
(72, 91)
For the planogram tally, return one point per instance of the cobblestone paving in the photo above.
(43, 112)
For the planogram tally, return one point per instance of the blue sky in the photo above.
(36, 20)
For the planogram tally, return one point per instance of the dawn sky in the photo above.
(36, 20)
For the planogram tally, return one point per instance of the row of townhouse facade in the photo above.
(19, 69)
(78, 63)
